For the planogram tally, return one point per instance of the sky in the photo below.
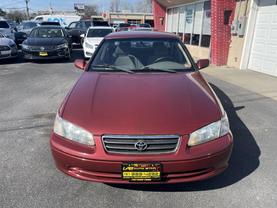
(56, 4)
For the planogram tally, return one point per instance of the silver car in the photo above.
(6, 29)
(8, 48)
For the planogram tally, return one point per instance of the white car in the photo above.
(8, 48)
(92, 39)
(6, 29)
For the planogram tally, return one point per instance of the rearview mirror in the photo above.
(82, 36)
(80, 64)
(203, 63)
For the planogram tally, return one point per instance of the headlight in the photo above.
(72, 132)
(210, 132)
(25, 47)
(62, 46)
(87, 45)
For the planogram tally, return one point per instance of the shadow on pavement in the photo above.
(243, 162)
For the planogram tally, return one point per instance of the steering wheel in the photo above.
(164, 58)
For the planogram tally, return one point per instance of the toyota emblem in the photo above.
(141, 146)
(42, 48)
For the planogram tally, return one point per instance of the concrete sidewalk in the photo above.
(253, 81)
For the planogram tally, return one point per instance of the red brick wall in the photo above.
(159, 12)
(221, 34)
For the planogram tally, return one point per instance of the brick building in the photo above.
(237, 33)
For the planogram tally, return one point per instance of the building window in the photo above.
(191, 22)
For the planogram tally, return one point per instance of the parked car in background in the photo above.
(27, 26)
(8, 48)
(141, 112)
(50, 23)
(47, 42)
(76, 29)
(92, 39)
(12, 24)
(122, 27)
(141, 29)
(6, 29)
(144, 25)
(24, 30)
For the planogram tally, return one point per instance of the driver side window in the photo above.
(72, 25)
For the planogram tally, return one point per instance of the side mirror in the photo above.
(203, 63)
(80, 64)
(82, 35)
(67, 28)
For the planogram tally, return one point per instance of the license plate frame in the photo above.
(43, 53)
(141, 172)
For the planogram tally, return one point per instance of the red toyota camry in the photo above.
(141, 112)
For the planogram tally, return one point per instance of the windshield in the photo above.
(47, 33)
(124, 25)
(4, 24)
(92, 33)
(142, 55)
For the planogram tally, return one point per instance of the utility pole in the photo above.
(27, 8)
(51, 8)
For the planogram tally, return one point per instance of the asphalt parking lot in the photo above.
(30, 95)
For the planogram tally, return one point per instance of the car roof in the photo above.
(140, 34)
(100, 27)
(50, 26)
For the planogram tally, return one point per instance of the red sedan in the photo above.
(141, 113)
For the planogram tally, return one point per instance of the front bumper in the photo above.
(88, 52)
(9, 54)
(52, 54)
(98, 166)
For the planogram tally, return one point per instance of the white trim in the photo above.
(187, 4)
(249, 34)
(166, 21)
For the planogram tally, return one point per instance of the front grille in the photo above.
(125, 144)
(42, 48)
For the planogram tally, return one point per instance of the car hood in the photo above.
(5, 31)
(6, 41)
(44, 41)
(94, 40)
(152, 103)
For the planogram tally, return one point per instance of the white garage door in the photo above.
(263, 57)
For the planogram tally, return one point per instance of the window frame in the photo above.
(182, 11)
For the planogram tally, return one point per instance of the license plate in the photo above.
(43, 53)
(141, 172)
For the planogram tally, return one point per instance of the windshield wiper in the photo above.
(108, 67)
(154, 69)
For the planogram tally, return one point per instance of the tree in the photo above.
(16, 15)
(2, 13)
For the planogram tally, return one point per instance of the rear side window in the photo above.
(87, 24)
(100, 23)
(124, 25)
(4, 24)
(98, 32)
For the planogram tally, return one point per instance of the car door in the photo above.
(68, 38)
(73, 31)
